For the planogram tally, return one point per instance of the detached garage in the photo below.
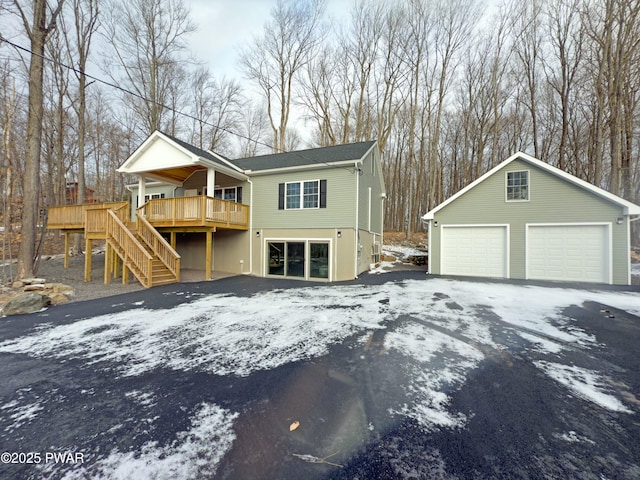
(525, 219)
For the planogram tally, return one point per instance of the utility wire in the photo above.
(129, 92)
(145, 99)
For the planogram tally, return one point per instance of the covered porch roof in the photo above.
(167, 159)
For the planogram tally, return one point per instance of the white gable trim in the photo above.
(629, 208)
(129, 166)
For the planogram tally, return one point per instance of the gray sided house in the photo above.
(526, 219)
(314, 214)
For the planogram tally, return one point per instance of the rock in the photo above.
(35, 287)
(31, 281)
(27, 302)
(58, 298)
(51, 288)
(17, 284)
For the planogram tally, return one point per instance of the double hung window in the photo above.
(306, 194)
(517, 186)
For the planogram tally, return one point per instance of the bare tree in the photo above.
(148, 42)
(216, 105)
(85, 15)
(275, 59)
(37, 25)
(566, 37)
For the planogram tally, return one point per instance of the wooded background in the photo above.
(449, 88)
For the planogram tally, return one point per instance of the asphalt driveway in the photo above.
(392, 376)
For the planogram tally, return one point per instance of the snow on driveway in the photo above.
(442, 328)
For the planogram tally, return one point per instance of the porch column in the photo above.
(141, 191)
(211, 181)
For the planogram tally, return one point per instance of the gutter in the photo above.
(250, 231)
(357, 229)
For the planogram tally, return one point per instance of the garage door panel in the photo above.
(568, 252)
(474, 251)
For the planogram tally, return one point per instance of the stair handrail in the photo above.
(133, 250)
(164, 251)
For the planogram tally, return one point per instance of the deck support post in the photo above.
(172, 239)
(125, 274)
(116, 266)
(66, 249)
(88, 249)
(107, 264)
(209, 248)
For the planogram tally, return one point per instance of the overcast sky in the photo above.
(226, 25)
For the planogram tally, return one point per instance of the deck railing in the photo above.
(73, 216)
(160, 246)
(131, 248)
(200, 209)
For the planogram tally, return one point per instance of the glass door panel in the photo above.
(276, 258)
(319, 260)
(295, 259)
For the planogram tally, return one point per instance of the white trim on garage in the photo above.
(475, 251)
(606, 257)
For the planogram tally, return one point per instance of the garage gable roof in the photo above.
(629, 208)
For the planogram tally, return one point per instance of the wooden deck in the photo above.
(201, 211)
(138, 246)
(182, 213)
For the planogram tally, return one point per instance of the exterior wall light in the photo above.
(339, 234)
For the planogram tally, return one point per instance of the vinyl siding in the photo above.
(341, 198)
(551, 200)
(369, 179)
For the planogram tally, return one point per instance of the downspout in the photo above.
(355, 261)
(250, 230)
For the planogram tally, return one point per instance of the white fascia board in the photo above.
(155, 183)
(628, 207)
(162, 148)
(221, 168)
(124, 168)
(314, 166)
(225, 161)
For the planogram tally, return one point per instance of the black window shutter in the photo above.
(239, 194)
(323, 194)
(281, 196)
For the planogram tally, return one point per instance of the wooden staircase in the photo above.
(142, 251)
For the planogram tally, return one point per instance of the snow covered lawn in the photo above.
(440, 330)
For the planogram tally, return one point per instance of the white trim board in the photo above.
(608, 246)
(507, 250)
(628, 207)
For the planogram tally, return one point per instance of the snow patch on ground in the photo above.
(220, 334)
(635, 269)
(402, 251)
(573, 437)
(439, 365)
(22, 410)
(542, 344)
(195, 454)
(443, 328)
(586, 384)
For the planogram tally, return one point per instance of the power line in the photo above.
(134, 94)
(145, 99)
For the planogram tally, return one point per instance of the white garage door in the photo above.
(477, 251)
(578, 253)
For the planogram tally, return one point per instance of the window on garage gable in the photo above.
(517, 186)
